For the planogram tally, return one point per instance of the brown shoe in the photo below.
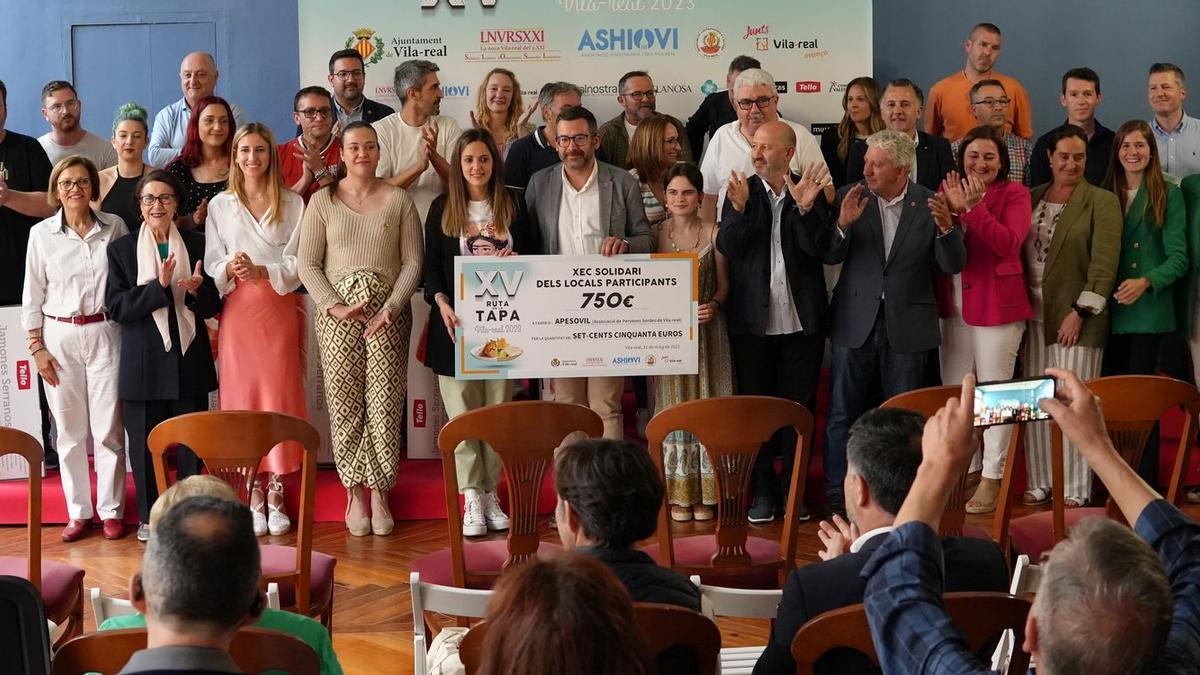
(680, 514)
(113, 528)
(704, 512)
(75, 530)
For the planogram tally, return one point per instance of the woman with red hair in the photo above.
(202, 167)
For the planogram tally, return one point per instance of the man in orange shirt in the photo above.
(950, 114)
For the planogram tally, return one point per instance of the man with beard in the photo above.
(729, 149)
(197, 78)
(638, 98)
(309, 161)
(61, 108)
(950, 113)
(901, 107)
(348, 77)
(566, 203)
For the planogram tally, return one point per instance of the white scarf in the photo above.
(148, 264)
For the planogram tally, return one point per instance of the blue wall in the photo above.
(255, 46)
(922, 40)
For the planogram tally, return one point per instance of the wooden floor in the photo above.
(372, 614)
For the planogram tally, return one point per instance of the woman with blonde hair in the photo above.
(250, 252)
(862, 118)
(656, 146)
(499, 109)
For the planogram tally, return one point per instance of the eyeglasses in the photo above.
(639, 95)
(164, 199)
(762, 102)
(314, 113)
(993, 102)
(578, 139)
(347, 74)
(60, 108)
(68, 185)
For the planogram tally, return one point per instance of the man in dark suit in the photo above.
(778, 315)
(348, 77)
(884, 453)
(885, 318)
(717, 108)
(901, 108)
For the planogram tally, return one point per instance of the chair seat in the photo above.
(483, 557)
(1033, 535)
(282, 559)
(976, 532)
(61, 584)
(739, 660)
(696, 552)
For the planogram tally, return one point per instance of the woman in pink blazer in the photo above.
(984, 308)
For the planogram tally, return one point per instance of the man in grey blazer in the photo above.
(885, 319)
(584, 207)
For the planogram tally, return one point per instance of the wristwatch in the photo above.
(1083, 313)
(321, 174)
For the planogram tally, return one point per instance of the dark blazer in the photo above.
(905, 280)
(971, 565)
(934, 161)
(645, 579)
(374, 110)
(621, 207)
(531, 153)
(440, 251)
(837, 165)
(715, 111)
(148, 372)
(745, 241)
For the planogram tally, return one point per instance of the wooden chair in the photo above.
(739, 603)
(1132, 405)
(60, 585)
(524, 434)
(731, 429)
(232, 444)
(254, 650)
(426, 597)
(664, 627)
(105, 607)
(979, 617)
(24, 641)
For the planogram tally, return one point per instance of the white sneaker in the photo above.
(473, 524)
(277, 519)
(259, 513)
(496, 518)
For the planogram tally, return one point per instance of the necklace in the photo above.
(671, 236)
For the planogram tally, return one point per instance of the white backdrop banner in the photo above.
(811, 47)
(18, 389)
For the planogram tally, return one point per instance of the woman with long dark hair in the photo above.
(862, 118)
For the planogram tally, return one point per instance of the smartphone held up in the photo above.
(1012, 401)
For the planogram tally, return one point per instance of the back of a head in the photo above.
(1104, 603)
(567, 613)
(202, 566)
(200, 485)
(612, 487)
(885, 449)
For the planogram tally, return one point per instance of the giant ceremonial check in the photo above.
(575, 316)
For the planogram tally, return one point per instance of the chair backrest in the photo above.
(737, 602)
(105, 608)
(979, 617)
(232, 444)
(928, 401)
(17, 442)
(1026, 577)
(731, 430)
(254, 650)
(664, 627)
(524, 435)
(24, 640)
(448, 600)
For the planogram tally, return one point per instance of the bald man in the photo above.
(777, 314)
(197, 78)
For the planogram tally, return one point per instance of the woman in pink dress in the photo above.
(252, 236)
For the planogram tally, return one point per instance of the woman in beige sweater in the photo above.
(360, 259)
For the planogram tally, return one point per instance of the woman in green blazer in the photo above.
(1154, 258)
(1071, 258)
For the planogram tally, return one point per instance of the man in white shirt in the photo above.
(415, 142)
(729, 149)
(197, 78)
(62, 109)
(566, 203)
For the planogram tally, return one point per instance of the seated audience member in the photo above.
(860, 118)
(1080, 96)
(989, 100)
(901, 107)
(308, 629)
(884, 452)
(198, 586)
(609, 494)
(563, 614)
(1105, 601)
(717, 109)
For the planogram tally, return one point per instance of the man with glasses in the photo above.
(309, 161)
(729, 149)
(197, 78)
(348, 77)
(949, 113)
(638, 99)
(585, 207)
(990, 103)
(718, 108)
(61, 108)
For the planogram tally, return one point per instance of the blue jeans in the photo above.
(862, 378)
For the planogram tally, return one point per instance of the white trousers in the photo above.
(1084, 362)
(991, 353)
(85, 402)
